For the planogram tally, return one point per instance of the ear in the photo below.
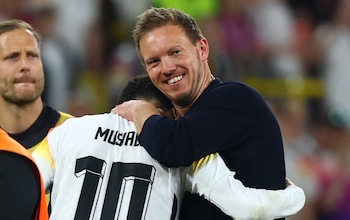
(203, 46)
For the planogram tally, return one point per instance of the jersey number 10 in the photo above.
(134, 176)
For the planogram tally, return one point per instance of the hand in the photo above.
(288, 182)
(137, 111)
(127, 109)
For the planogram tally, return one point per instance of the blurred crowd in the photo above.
(295, 52)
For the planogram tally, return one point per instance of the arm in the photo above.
(216, 121)
(209, 177)
(137, 111)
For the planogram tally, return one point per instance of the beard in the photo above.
(20, 101)
(21, 98)
(189, 97)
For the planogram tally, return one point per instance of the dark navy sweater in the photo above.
(232, 119)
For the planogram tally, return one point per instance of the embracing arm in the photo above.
(137, 111)
(215, 122)
(210, 178)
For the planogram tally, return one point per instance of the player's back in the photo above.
(101, 172)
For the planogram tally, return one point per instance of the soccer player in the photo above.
(18, 172)
(99, 171)
(23, 116)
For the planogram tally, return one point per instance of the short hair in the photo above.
(158, 17)
(15, 24)
(142, 88)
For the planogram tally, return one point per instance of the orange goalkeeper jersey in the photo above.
(10, 145)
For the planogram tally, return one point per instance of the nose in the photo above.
(168, 66)
(24, 64)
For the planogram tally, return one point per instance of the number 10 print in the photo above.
(135, 177)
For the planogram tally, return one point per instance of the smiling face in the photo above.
(176, 66)
(21, 68)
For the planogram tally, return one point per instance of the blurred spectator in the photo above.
(218, 58)
(239, 36)
(56, 60)
(319, 10)
(122, 60)
(19, 9)
(198, 9)
(80, 24)
(128, 10)
(301, 151)
(303, 25)
(90, 95)
(334, 174)
(333, 43)
(76, 20)
(274, 22)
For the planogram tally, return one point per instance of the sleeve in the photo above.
(215, 123)
(210, 178)
(45, 162)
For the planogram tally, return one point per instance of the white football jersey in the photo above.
(99, 171)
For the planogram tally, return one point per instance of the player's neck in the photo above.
(15, 119)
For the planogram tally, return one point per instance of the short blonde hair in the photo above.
(15, 24)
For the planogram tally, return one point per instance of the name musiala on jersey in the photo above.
(117, 138)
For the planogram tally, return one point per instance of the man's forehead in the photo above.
(18, 38)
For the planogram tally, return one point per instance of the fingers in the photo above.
(114, 110)
(288, 182)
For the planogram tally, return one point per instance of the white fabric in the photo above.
(84, 151)
(103, 150)
(215, 182)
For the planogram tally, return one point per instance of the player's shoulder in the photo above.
(236, 89)
(85, 119)
(63, 117)
(93, 119)
(235, 85)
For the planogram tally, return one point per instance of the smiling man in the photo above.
(230, 118)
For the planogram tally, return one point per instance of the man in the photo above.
(18, 171)
(23, 116)
(230, 118)
(99, 171)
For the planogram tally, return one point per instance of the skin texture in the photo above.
(21, 80)
(176, 67)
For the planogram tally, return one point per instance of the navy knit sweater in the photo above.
(230, 118)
